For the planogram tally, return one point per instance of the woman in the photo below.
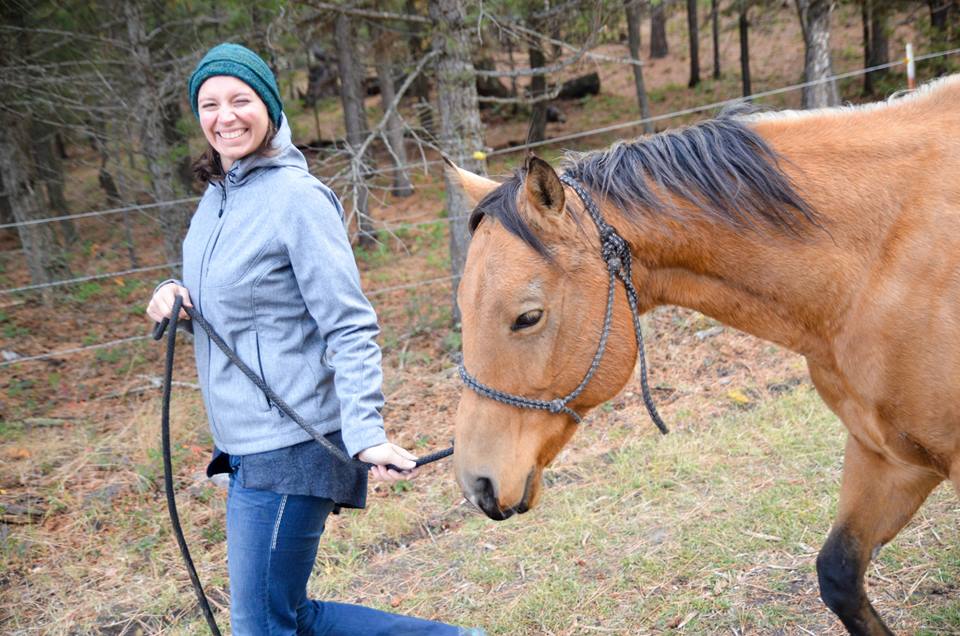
(267, 262)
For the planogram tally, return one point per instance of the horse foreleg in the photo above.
(877, 498)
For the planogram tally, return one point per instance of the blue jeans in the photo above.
(271, 548)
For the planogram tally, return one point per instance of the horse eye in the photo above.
(527, 319)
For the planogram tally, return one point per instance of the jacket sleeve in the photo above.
(326, 273)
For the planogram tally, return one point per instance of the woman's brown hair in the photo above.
(208, 168)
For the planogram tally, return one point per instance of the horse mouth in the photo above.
(494, 511)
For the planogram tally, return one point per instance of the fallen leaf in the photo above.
(738, 396)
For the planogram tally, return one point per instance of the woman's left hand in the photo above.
(382, 455)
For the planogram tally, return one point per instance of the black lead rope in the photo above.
(168, 466)
(198, 321)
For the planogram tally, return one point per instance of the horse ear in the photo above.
(543, 187)
(473, 185)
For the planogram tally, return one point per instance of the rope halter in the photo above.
(615, 252)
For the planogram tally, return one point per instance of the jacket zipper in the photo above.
(223, 199)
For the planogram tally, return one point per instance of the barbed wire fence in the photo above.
(395, 225)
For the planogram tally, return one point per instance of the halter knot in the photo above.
(556, 406)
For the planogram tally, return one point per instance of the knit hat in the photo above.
(240, 62)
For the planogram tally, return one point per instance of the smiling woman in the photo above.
(267, 261)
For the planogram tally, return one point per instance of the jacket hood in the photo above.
(284, 154)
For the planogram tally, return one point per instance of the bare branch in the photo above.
(543, 70)
(392, 108)
(365, 13)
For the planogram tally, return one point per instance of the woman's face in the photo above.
(233, 117)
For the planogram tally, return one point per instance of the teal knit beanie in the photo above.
(240, 62)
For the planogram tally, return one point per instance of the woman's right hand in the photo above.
(161, 305)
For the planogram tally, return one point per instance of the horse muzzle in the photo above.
(483, 494)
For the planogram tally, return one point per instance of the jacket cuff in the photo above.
(362, 438)
(169, 280)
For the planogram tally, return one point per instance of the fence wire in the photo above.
(423, 163)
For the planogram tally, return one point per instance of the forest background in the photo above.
(711, 530)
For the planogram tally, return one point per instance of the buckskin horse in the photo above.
(834, 233)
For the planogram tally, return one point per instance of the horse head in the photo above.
(533, 300)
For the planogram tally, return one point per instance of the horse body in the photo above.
(834, 233)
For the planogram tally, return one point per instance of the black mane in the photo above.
(722, 166)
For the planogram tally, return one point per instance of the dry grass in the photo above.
(712, 529)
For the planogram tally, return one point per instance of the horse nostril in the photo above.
(484, 491)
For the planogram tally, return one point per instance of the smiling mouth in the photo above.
(233, 134)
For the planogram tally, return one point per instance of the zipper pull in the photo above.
(223, 199)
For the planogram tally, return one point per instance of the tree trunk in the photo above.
(744, 25)
(421, 85)
(715, 27)
(355, 121)
(633, 37)
(165, 184)
(940, 11)
(865, 9)
(6, 212)
(693, 32)
(817, 67)
(879, 52)
(38, 241)
(49, 168)
(538, 83)
(461, 133)
(939, 14)
(658, 30)
(394, 131)
(17, 171)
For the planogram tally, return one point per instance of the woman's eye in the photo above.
(527, 319)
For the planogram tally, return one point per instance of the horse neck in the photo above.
(786, 289)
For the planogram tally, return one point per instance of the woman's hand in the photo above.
(162, 302)
(388, 453)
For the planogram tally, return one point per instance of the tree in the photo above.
(693, 32)
(17, 168)
(658, 29)
(383, 49)
(538, 82)
(421, 85)
(49, 168)
(156, 98)
(633, 36)
(715, 29)
(744, 27)
(355, 121)
(460, 128)
(876, 47)
(817, 66)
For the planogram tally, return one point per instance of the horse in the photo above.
(834, 233)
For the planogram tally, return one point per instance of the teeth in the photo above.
(232, 135)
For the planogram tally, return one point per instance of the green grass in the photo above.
(716, 528)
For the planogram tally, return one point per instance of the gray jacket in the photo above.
(268, 264)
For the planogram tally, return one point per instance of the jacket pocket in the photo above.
(265, 403)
